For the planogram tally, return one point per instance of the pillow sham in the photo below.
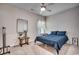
(61, 32)
(53, 33)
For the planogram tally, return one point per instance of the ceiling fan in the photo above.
(44, 7)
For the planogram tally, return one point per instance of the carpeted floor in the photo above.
(41, 49)
(67, 49)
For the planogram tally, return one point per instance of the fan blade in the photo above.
(49, 10)
(50, 4)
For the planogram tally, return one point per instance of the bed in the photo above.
(56, 39)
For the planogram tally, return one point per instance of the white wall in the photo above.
(8, 18)
(67, 20)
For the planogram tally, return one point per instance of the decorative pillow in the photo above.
(53, 32)
(61, 32)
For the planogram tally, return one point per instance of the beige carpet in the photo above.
(29, 50)
(63, 50)
(41, 49)
(67, 49)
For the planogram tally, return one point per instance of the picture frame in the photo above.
(22, 25)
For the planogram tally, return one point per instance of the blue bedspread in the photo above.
(54, 40)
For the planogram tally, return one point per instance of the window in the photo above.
(41, 26)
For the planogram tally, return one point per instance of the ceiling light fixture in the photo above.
(43, 8)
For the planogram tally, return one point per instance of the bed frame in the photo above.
(56, 49)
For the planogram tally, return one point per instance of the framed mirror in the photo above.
(22, 26)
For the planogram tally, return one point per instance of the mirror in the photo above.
(22, 26)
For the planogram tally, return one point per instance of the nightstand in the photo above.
(75, 41)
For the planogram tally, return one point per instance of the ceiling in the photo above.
(54, 7)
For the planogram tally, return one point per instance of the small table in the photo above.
(26, 41)
(75, 41)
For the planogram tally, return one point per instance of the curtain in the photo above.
(41, 26)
